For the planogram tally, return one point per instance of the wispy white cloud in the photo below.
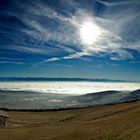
(11, 59)
(52, 59)
(114, 27)
(59, 26)
(122, 55)
(8, 60)
(71, 56)
(60, 65)
(114, 3)
(12, 62)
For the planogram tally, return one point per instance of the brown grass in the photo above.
(112, 122)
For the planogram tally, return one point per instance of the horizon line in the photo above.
(62, 78)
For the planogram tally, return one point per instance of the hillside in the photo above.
(110, 122)
(108, 97)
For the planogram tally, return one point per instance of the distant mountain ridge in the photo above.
(58, 79)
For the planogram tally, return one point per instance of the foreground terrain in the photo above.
(110, 122)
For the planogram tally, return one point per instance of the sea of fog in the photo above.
(68, 87)
(37, 95)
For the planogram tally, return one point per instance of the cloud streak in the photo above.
(52, 32)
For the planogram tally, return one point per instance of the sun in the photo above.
(89, 33)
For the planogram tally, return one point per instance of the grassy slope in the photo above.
(116, 122)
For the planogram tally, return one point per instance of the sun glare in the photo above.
(89, 32)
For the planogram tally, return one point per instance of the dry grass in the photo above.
(114, 122)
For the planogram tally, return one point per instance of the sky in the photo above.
(70, 38)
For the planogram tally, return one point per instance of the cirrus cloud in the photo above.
(52, 31)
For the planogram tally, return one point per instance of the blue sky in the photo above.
(70, 38)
